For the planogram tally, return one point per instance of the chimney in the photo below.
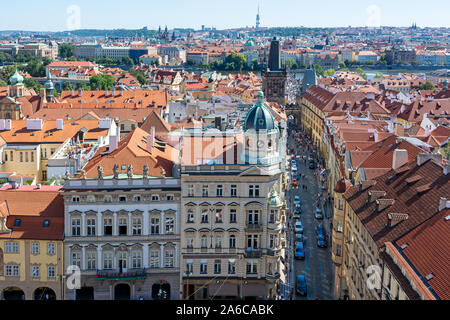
(384, 203)
(446, 167)
(38, 186)
(151, 140)
(13, 184)
(73, 93)
(427, 131)
(59, 124)
(80, 92)
(114, 91)
(424, 157)
(113, 143)
(8, 124)
(106, 92)
(444, 204)
(375, 136)
(400, 158)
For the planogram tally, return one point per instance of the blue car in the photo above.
(298, 209)
(294, 168)
(320, 229)
(319, 214)
(295, 176)
(321, 241)
(299, 238)
(301, 285)
(298, 227)
(299, 251)
(297, 200)
(294, 163)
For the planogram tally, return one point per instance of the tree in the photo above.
(35, 68)
(329, 73)
(32, 84)
(65, 50)
(3, 83)
(101, 82)
(291, 64)
(127, 61)
(318, 69)
(379, 75)
(428, 85)
(342, 65)
(361, 73)
(67, 86)
(5, 57)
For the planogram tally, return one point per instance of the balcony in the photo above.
(253, 227)
(131, 274)
(253, 253)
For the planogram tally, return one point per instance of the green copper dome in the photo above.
(49, 84)
(16, 78)
(274, 199)
(259, 118)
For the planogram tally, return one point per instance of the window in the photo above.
(252, 267)
(169, 197)
(137, 198)
(338, 250)
(219, 190)
(136, 259)
(218, 241)
(90, 198)
(169, 257)
(154, 226)
(253, 191)
(51, 272)
(205, 216)
(154, 259)
(233, 190)
(203, 267)
(107, 260)
(123, 226)
(252, 241)
(107, 199)
(190, 190)
(21, 156)
(35, 247)
(232, 215)
(272, 216)
(11, 155)
(204, 241)
(75, 199)
(76, 260)
(232, 241)
(340, 204)
(35, 271)
(339, 226)
(6, 156)
(190, 216)
(91, 260)
(122, 199)
(107, 226)
(204, 191)
(189, 267)
(231, 266)
(219, 216)
(217, 267)
(137, 226)
(26, 156)
(32, 156)
(76, 227)
(51, 248)
(271, 241)
(12, 270)
(190, 242)
(155, 197)
(90, 226)
(253, 217)
(170, 223)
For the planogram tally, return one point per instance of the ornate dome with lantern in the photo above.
(16, 78)
(259, 117)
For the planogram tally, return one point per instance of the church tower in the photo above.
(16, 88)
(274, 78)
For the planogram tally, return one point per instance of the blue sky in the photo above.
(51, 15)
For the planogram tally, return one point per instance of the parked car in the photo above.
(320, 229)
(299, 251)
(298, 227)
(295, 176)
(297, 200)
(294, 169)
(319, 214)
(298, 209)
(299, 238)
(301, 285)
(321, 241)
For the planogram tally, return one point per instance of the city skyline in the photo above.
(67, 15)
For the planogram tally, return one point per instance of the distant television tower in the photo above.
(258, 19)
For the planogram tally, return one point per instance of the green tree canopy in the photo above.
(66, 50)
(428, 85)
(318, 69)
(32, 84)
(361, 73)
(101, 82)
(127, 61)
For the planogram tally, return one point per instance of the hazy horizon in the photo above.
(64, 15)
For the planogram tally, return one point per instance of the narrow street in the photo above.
(317, 265)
